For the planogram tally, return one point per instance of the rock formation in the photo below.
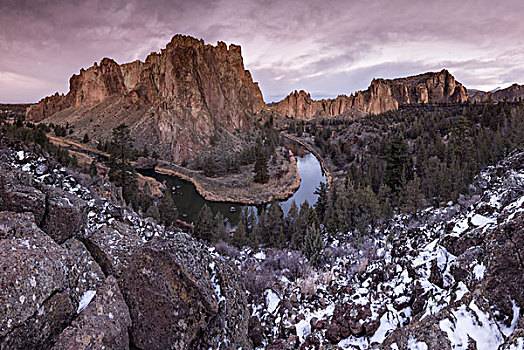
(382, 95)
(73, 269)
(513, 93)
(173, 102)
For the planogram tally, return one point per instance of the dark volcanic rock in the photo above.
(112, 246)
(20, 199)
(505, 272)
(352, 319)
(256, 331)
(43, 329)
(65, 216)
(85, 273)
(102, 325)
(179, 298)
(33, 305)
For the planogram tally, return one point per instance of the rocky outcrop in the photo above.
(382, 95)
(513, 93)
(63, 276)
(182, 298)
(34, 305)
(102, 325)
(173, 102)
(66, 214)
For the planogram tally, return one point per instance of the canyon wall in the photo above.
(382, 95)
(513, 93)
(173, 102)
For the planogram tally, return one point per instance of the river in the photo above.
(189, 202)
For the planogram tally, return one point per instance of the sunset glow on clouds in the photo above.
(325, 47)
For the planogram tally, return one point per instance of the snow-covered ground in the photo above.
(375, 291)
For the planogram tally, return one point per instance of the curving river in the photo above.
(189, 202)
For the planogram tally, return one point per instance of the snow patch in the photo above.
(86, 299)
(471, 323)
(272, 300)
(413, 344)
(479, 271)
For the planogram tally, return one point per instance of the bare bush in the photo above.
(223, 248)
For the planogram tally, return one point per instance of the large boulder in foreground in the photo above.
(112, 246)
(180, 297)
(34, 303)
(102, 325)
(66, 215)
(20, 198)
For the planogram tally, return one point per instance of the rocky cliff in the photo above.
(174, 101)
(513, 93)
(80, 271)
(382, 95)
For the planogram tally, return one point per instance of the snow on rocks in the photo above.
(417, 276)
(470, 322)
(85, 300)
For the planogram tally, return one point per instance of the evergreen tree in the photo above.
(92, 169)
(240, 237)
(321, 204)
(398, 163)
(261, 169)
(86, 138)
(313, 245)
(219, 230)
(412, 199)
(204, 224)
(167, 211)
(153, 212)
(275, 222)
(121, 173)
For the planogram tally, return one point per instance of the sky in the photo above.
(326, 47)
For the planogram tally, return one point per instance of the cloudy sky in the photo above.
(327, 47)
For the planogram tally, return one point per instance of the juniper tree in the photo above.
(313, 245)
(204, 224)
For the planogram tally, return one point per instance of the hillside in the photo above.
(174, 101)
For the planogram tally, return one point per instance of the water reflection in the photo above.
(189, 202)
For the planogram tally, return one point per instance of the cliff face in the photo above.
(173, 102)
(512, 93)
(382, 95)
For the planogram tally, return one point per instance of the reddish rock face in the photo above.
(513, 93)
(176, 98)
(382, 95)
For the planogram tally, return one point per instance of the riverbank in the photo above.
(329, 177)
(284, 181)
(232, 188)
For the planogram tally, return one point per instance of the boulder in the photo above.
(112, 246)
(22, 198)
(34, 304)
(103, 324)
(180, 297)
(85, 273)
(65, 216)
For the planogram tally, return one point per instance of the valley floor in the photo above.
(284, 179)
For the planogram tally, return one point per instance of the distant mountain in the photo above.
(513, 93)
(174, 101)
(382, 95)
